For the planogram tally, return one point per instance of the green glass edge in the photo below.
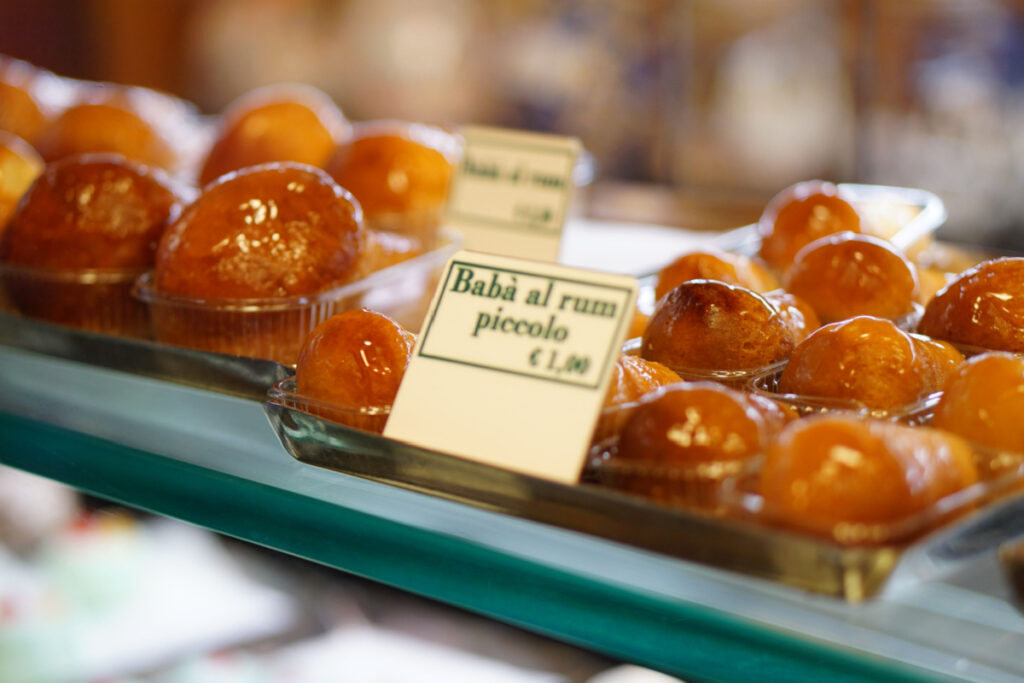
(678, 638)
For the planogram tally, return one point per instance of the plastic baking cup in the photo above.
(95, 299)
(275, 328)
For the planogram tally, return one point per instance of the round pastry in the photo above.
(399, 173)
(19, 166)
(22, 113)
(798, 315)
(92, 211)
(633, 377)
(838, 475)
(353, 363)
(684, 439)
(108, 123)
(276, 230)
(276, 123)
(847, 274)
(711, 325)
(983, 401)
(714, 264)
(801, 214)
(85, 229)
(983, 307)
(248, 267)
(870, 361)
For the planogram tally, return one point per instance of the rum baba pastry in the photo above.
(108, 120)
(801, 214)
(84, 230)
(848, 274)
(870, 361)
(684, 439)
(711, 325)
(843, 476)
(399, 172)
(19, 166)
(276, 123)
(353, 364)
(714, 264)
(239, 270)
(24, 112)
(983, 401)
(632, 378)
(983, 307)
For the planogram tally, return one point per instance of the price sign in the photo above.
(511, 192)
(513, 363)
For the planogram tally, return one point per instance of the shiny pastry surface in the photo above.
(831, 470)
(394, 168)
(982, 307)
(707, 324)
(633, 377)
(984, 401)
(798, 315)
(92, 211)
(692, 423)
(20, 164)
(801, 214)
(354, 359)
(268, 231)
(849, 274)
(869, 360)
(276, 123)
(108, 126)
(714, 264)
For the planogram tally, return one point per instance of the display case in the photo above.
(168, 432)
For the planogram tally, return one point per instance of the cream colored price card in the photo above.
(511, 192)
(513, 363)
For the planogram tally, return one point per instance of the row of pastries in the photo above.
(277, 198)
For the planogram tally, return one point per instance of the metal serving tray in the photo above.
(853, 573)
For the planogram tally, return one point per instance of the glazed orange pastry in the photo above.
(351, 361)
(394, 170)
(983, 307)
(85, 229)
(714, 264)
(801, 214)
(19, 166)
(109, 125)
(870, 361)
(276, 123)
(683, 439)
(838, 475)
(633, 377)
(275, 230)
(22, 111)
(798, 315)
(92, 211)
(638, 324)
(983, 401)
(711, 325)
(848, 274)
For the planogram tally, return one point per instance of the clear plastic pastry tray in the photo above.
(984, 515)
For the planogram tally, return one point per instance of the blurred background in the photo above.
(697, 111)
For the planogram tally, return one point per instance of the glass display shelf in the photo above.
(212, 459)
